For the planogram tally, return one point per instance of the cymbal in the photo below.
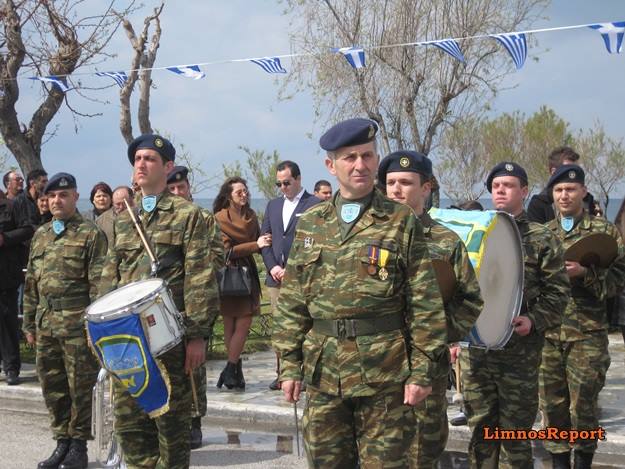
(598, 249)
(446, 278)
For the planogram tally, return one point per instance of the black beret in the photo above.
(506, 168)
(567, 173)
(60, 181)
(411, 161)
(179, 173)
(152, 142)
(349, 133)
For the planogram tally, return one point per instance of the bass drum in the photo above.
(496, 252)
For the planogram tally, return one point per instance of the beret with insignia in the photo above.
(179, 173)
(409, 161)
(349, 133)
(567, 173)
(152, 142)
(506, 168)
(59, 182)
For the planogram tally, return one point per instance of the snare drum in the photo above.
(161, 320)
(494, 245)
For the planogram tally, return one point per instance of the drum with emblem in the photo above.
(494, 245)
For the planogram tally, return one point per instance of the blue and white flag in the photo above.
(120, 77)
(516, 45)
(612, 34)
(189, 71)
(270, 64)
(451, 47)
(354, 55)
(59, 82)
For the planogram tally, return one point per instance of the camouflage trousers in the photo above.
(432, 427)
(364, 432)
(500, 390)
(162, 442)
(571, 376)
(67, 372)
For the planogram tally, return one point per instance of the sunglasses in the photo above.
(283, 183)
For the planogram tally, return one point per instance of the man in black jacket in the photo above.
(11, 277)
(541, 207)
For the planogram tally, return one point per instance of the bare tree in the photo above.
(413, 92)
(43, 37)
(145, 49)
(262, 170)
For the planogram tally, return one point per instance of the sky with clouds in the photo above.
(236, 104)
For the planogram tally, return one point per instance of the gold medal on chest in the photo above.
(383, 274)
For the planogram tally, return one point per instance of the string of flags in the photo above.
(515, 43)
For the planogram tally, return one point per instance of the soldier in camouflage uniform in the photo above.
(575, 357)
(176, 229)
(64, 268)
(178, 184)
(405, 177)
(360, 316)
(501, 386)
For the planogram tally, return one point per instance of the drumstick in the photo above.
(196, 412)
(148, 248)
(458, 397)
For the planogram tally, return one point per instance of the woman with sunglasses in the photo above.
(241, 236)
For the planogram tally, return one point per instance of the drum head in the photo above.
(501, 282)
(125, 296)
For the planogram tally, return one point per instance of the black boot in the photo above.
(196, 432)
(62, 447)
(76, 456)
(561, 460)
(241, 383)
(220, 381)
(230, 375)
(582, 460)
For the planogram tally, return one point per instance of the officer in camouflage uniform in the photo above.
(176, 230)
(178, 184)
(501, 386)
(66, 257)
(405, 177)
(360, 316)
(575, 356)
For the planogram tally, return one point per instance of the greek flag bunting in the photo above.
(451, 47)
(119, 77)
(516, 45)
(612, 34)
(354, 55)
(189, 71)
(59, 82)
(270, 64)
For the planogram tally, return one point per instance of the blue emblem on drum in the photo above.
(122, 348)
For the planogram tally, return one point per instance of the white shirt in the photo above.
(289, 207)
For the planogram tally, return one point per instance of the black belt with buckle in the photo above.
(350, 328)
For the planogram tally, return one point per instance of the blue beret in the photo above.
(349, 133)
(179, 173)
(411, 161)
(567, 173)
(506, 168)
(152, 142)
(60, 181)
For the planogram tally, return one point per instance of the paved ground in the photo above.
(261, 415)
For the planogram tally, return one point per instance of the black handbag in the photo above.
(234, 280)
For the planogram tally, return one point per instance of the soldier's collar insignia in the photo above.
(371, 132)
(572, 174)
(404, 162)
(509, 167)
(158, 143)
(148, 202)
(58, 226)
(308, 242)
(567, 223)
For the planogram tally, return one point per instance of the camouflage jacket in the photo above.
(546, 289)
(327, 278)
(176, 230)
(587, 309)
(463, 309)
(62, 277)
(215, 244)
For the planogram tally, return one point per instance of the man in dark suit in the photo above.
(280, 220)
